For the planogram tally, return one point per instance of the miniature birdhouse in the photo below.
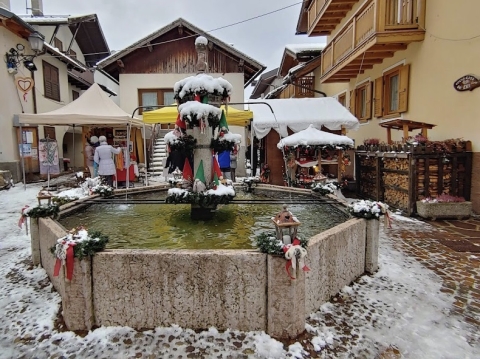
(286, 225)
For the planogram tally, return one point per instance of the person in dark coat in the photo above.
(175, 159)
(254, 160)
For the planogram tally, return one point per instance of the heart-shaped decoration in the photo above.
(24, 84)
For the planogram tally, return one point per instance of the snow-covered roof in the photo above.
(199, 110)
(275, 91)
(255, 65)
(312, 136)
(295, 68)
(46, 19)
(299, 113)
(200, 83)
(297, 48)
(64, 58)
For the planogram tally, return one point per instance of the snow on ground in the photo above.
(399, 307)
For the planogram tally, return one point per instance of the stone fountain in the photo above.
(199, 99)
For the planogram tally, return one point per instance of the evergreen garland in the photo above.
(201, 199)
(96, 243)
(42, 211)
(90, 247)
(367, 209)
(293, 149)
(60, 201)
(103, 190)
(193, 121)
(218, 145)
(185, 145)
(268, 243)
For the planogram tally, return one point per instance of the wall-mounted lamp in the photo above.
(15, 56)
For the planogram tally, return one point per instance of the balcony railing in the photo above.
(377, 22)
(303, 89)
(325, 15)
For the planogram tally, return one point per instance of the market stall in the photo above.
(305, 152)
(289, 116)
(95, 111)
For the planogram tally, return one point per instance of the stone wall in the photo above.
(194, 289)
(336, 257)
(237, 289)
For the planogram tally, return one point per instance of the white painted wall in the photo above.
(109, 82)
(11, 100)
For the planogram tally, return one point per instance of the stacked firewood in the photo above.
(368, 176)
(396, 198)
(400, 164)
(433, 177)
(395, 179)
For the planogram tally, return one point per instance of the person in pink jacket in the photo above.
(103, 156)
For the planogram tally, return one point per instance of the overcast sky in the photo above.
(126, 21)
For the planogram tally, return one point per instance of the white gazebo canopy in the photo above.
(93, 107)
(298, 114)
(314, 137)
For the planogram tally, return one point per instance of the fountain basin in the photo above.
(237, 289)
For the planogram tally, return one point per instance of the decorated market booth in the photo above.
(306, 151)
(98, 115)
(290, 116)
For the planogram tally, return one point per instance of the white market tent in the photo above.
(94, 107)
(298, 114)
(314, 137)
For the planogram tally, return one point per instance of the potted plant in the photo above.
(444, 206)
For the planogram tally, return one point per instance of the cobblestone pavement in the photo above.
(449, 251)
(358, 323)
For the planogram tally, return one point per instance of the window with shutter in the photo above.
(395, 91)
(51, 82)
(154, 97)
(363, 101)
(75, 95)
(378, 97)
(352, 103)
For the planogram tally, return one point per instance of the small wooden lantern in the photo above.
(286, 221)
(44, 195)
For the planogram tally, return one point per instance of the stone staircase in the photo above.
(159, 155)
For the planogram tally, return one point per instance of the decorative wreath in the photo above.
(185, 145)
(217, 145)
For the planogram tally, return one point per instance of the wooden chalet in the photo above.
(171, 49)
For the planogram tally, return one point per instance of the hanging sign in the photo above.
(466, 83)
(24, 84)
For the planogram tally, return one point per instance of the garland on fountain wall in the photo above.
(77, 243)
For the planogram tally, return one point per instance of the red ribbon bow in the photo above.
(22, 217)
(295, 242)
(69, 261)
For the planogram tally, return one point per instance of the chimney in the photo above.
(5, 4)
(37, 7)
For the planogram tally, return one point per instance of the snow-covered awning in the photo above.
(299, 113)
(314, 137)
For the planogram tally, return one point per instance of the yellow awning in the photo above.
(169, 114)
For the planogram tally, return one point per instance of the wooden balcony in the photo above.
(303, 89)
(373, 33)
(325, 15)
